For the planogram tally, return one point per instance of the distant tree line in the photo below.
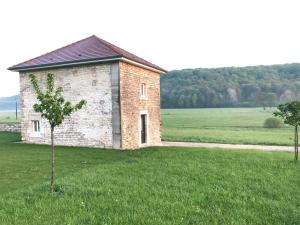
(253, 86)
(9, 103)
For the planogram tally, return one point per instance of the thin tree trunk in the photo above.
(296, 147)
(53, 160)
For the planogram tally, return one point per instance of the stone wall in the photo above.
(132, 105)
(10, 127)
(91, 126)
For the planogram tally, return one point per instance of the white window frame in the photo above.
(34, 123)
(144, 112)
(143, 90)
(35, 133)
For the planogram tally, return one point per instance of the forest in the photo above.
(9, 103)
(252, 86)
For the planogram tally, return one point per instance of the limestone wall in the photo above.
(10, 127)
(91, 126)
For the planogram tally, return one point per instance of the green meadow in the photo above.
(9, 117)
(223, 125)
(156, 185)
(218, 125)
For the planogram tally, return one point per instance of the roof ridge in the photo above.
(115, 47)
(52, 51)
(108, 44)
(121, 51)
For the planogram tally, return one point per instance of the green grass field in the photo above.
(221, 125)
(226, 125)
(8, 117)
(167, 186)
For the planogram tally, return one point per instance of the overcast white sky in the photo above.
(170, 33)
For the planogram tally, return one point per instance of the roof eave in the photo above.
(75, 63)
(70, 63)
(143, 65)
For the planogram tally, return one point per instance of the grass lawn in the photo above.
(227, 125)
(151, 186)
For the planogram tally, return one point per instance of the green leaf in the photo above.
(52, 104)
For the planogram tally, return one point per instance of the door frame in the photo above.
(144, 112)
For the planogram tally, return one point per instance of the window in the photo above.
(143, 90)
(36, 125)
(143, 128)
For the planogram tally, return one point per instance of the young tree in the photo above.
(53, 107)
(290, 113)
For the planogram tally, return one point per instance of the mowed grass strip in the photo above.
(150, 186)
(227, 125)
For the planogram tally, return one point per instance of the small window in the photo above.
(143, 90)
(143, 128)
(36, 125)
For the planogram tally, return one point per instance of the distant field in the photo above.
(219, 125)
(223, 125)
(8, 117)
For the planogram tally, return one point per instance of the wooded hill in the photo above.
(231, 86)
(222, 87)
(9, 103)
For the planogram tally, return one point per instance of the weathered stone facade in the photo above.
(10, 127)
(91, 126)
(111, 117)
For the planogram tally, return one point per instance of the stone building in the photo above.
(122, 92)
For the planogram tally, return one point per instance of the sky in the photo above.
(172, 34)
